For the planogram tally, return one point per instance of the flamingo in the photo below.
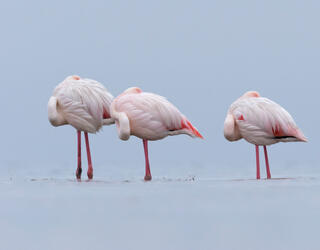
(85, 105)
(150, 117)
(261, 122)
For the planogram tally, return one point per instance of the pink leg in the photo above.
(267, 162)
(258, 162)
(148, 176)
(79, 169)
(90, 169)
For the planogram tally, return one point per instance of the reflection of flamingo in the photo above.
(260, 121)
(85, 105)
(149, 117)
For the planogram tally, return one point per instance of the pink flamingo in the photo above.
(85, 105)
(149, 117)
(261, 122)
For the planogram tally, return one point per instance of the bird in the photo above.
(85, 105)
(261, 122)
(149, 117)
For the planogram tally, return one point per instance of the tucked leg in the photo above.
(79, 169)
(90, 169)
(258, 162)
(148, 176)
(267, 162)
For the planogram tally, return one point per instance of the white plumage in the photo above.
(82, 103)
(149, 117)
(85, 105)
(260, 121)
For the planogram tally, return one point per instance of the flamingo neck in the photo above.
(55, 118)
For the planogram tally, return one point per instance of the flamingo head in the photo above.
(251, 94)
(133, 90)
(73, 78)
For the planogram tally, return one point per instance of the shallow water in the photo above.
(192, 212)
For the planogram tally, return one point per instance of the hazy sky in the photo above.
(201, 55)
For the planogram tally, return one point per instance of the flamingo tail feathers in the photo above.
(187, 125)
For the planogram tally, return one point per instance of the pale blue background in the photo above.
(201, 55)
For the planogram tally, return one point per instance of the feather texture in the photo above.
(260, 121)
(150, 116)
(82, 103)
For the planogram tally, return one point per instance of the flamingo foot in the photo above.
(78, 173)
(90, 175)
(79, 169)
(90, 168)
(148, 178)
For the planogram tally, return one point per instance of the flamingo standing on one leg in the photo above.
(261, 122)
(149, 117)
(85, 105)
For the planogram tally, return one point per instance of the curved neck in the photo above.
(55, 118)
(123, 126)
(122, 122)
(231, 132)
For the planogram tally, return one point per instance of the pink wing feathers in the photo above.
(152, 116)
(264, 122)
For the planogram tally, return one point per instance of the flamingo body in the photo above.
(85, 105)
(261, 122)
(82, 103)
(149, 117)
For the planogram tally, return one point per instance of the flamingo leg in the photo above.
(90, 169)
(267, 162)
(258, 162)
(79, 169)
(148, 176)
